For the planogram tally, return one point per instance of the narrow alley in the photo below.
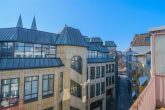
(124, 99)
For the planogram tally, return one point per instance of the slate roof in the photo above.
(29, 63)
(100, 60)
(27, 35)
(87, 39)
(94, 47)
(140, 40)
(71, 36)
(96, 39)
(110, 44)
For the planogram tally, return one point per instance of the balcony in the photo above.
(153, 95)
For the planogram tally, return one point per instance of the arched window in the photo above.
(76, 64)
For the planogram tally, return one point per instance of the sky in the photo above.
(117, 20)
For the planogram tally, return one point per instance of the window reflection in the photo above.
(27, 50)
(96, 54)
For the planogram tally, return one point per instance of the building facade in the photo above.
(48, 71)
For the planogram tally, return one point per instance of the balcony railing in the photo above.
(152, 96)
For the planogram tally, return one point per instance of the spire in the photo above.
(34, 26)
(19, 23)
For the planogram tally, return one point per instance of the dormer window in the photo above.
(76, 64)
(147, 39)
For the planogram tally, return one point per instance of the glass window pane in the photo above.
(27, 88)
(27, 97)
(34, 78)
(34, 87)
(45, 85)
(45, 77)
(5, 88)
(5, 81)
(34, 95)
(28, 79)
(50, 84)
(14, 81)
(28, 45)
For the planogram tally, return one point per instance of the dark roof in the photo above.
(71, 36)
(94, 47)
(100, 60)
(110, 44)
(87, 39)
(96, 39)
(27, 35)
(28, 63)
(140, 40)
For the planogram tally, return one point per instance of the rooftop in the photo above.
(110, 44)
(140, 40)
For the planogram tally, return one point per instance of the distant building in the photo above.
(152, 97)
(121, 62)
(49, 71)
(139, 62)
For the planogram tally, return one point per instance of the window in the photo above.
(113, 80)
(28, 50)
(75, 89)
(6, 49)
(110, 68)
(61, 81)
(60, 105)
(107, 69)
(10, 91)
(92, 91)
(50, 108)
(31, 88)
(76, 64)
(147, 39)
(92, 72)
(72, 108)
(10, 49)
(37, 50)
(106, 81)
(98, 72)
(102, 87)
(52, 51)
(103, 71)
(113, 68)
(47, 85)
(19, 50)
(110, 80)
(97, 89)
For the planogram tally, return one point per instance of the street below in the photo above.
(124, 99)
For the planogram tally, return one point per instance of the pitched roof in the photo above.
(96, 39)
(28, 63)
(71, 36)
(87, 39)
(27, 35)
(19, 23)
(99, 48)
(140, 40)
(110, 44)
(34, 26)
